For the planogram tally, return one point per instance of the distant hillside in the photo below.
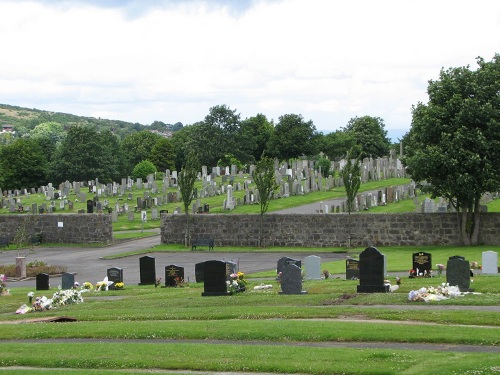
(26, 119)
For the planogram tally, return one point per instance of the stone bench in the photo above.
(203, 242)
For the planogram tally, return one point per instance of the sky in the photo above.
(171, 61)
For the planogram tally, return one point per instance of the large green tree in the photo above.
(255, 133)
(23, 164)
(293, 137)
(162, 155)
(137, 147)
(86, 154)
(454, 141)
(369, 135)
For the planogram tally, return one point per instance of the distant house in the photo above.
(8, 129)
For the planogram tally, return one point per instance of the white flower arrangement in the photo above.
(439, 293)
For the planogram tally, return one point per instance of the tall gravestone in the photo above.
(173, 275)
(90, 206)
(422, 263)
(372, 272)
(67, 280)
(215, 277)
(352, 269)
(458, 273)
(312, 265)
(286, 260)
(42, 281)
(291, 279)
(490, 262)
(115, 275)
(147, 270)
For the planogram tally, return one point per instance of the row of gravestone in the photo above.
(422, 265)
(372, 270)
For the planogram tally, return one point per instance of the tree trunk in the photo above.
(470, 220)
(260, 229)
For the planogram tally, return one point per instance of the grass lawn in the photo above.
(144, 328)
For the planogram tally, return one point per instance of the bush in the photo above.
(143, 169)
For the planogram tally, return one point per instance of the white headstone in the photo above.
(490, 262)
(312, 266)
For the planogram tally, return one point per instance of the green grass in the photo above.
(143, 327)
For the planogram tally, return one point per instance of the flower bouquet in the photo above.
(236, 283)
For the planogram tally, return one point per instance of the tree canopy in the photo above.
(453, 147)
(369, 135)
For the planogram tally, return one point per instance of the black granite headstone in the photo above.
(352, 269)
(372, 272)
(42, 281)
(422, 263)
(147, 270)
(90, 206)
(214, 275)
(115, 275)
(173, 275)
(286, 260)
(67, 280)
(291, 279)
(198, 271)
(458, 273)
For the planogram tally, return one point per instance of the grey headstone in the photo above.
(490, 262)
(291, 279)
(312, 265)
(67, 280)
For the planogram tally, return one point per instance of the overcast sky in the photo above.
(328, 60)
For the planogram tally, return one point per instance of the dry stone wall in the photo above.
(413, 229)
(64, 228)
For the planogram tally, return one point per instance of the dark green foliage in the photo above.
(85, 155)
(162, 155)
(255, 134)
(454, 142)
(186, 179)
(143, 169)
(23, 164)
(324, 165)
(292, 138)
(369, 135)
(137, 147)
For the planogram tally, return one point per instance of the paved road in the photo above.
(89, 265)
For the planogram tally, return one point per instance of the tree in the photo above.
(369, 136)
(162, 155)
(255, 133)
(337, 144)
(453, 147)
(186, 179)
(137, 147)
(23, 165)
(143, 169)
(351, 175)
(86, 154)
(292, 138)
(51, 130)
(324, 165)
(265, 180)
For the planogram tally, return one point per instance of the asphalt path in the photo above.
(88, 264)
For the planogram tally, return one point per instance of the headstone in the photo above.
(490, 262)
(458, 273)
(115, 275)
(286, 260)
(90, 206)
(291, 279)
(198, 271)
(67, 280)
(214, 275)
(231, 267)
(422, 263)
(372, 272)
(147, 270)
(312, 265)
(42, 281)
(173, 275)
(352, 269)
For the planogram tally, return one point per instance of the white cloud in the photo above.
(327, 60)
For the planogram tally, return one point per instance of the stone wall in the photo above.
(412, 229)
(63, 228)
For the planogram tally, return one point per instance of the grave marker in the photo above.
(291, 279)
(67, 280)
(351, 269)
(215, 277)
(312, 265)
(115, 275)
(422, 264)
(490, 262)
(173, 275)
(42, 281)
(458, 273)
(372, 272)
(147, 270)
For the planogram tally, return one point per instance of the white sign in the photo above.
(144, 216)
